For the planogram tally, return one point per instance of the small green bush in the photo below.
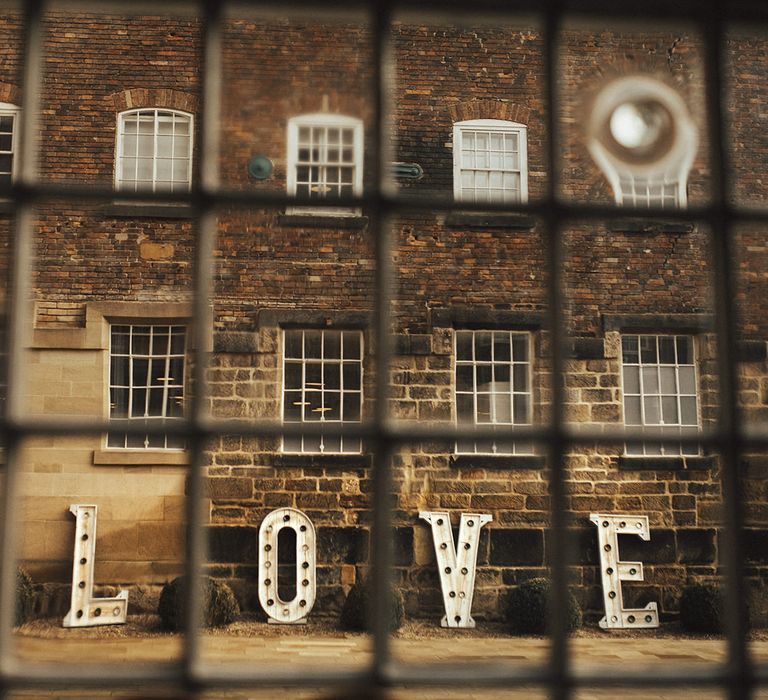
(25, 596)
(528, 608)
(355, 616)
(701, 608)
(221, 606)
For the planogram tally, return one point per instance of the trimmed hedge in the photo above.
(354, 615)
(25, 596)
(528, 608)
(701, 608)
(221, 607)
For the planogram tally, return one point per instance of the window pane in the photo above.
(351, 345)
(632, 415)
(668, 380)
(465, 378)
(464, 346)
(352, 407)
(650, 377)
(688, 410)
(520, 348)
(465, 408)
(669, 410)
(629, 349)
(667, 349)
(687, 378)
(331, 345)
(521, 377)
(351, 375)
(521, 404)
(652, 410)
(313, 344)
(648, 349)
(631, 380)
(684, 350)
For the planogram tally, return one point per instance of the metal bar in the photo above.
(402, 202)
(382, 445)
(735, 618)
(556, 445)
(18, 323)
(206, 231)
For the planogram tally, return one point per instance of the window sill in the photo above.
(323, 221)
(140, 458)
(342, 461)
(627, 463)
(146, 210)
(498, 461)
(7, 206)
(644, 226)
(490, 220)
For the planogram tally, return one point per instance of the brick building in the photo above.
(293, 299)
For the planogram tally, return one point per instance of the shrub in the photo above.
(221, 606)
(701, 608)
(355, 614)
(528, 608)
(25, 596)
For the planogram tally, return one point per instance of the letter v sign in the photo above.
(456, 566)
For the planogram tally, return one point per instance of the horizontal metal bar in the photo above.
(491, 674)
(401, 203)
(398, 431)
(682, 10)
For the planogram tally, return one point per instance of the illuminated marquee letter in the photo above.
(613, 571)
(278, 610)
(84, 609)
(457, 567)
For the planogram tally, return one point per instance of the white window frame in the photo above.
(346, 445)
(653, 192)
(472, 447)
(128, 184)
(462, 128)
(324, 120)
(11, 110)
(677, 428)
(165, 383)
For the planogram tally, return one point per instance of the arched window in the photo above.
(9, 142)
(490, 161)
(325, 160)
(154, 151)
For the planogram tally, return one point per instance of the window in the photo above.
(146, 382)
(154, 151)
(493, 387)
(659, 375)
(9, 127)
(634, 191)
(322, 381)
(325, 160)
(490, 161)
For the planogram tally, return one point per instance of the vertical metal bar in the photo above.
(739, 668)
(559, 681)
(205, 238)
(381, 231)
(18, 322)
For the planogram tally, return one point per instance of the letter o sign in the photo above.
(296, 610)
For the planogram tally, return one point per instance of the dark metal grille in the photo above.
(737, 676)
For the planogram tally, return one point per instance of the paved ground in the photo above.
(345, 651)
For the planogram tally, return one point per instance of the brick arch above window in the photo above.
(10, 94)
(137, 98)
(489, 109)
